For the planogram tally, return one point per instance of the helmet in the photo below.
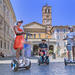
(43, 40)
(21, 21)
(70, 27)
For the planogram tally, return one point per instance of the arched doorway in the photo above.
(51, 49)
(35, 49)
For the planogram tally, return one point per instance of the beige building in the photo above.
(7, 20)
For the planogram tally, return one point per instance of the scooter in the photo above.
(27, 63)
(43, 61)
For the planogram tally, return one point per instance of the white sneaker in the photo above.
(13, 68)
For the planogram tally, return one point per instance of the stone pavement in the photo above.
(54, 68)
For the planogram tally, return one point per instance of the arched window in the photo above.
(0, 43)
(47, 10)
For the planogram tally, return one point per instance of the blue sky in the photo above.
(63, 11)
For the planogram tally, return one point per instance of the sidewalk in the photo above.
(58, 59)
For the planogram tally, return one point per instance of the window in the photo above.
(1, 20)
(0, 43)
(30, 36)
(4, 8)
(58, 37)
(11, 46)
(57, 43)
(47, 10)
(39, 36)
(8, 45)
(45, 21)
(64, 30)
(4, 45)
(34, 35)
(7, 13)
(64, 44)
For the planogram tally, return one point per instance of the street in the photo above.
(54, 68)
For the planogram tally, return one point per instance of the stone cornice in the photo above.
(33, 23)
(34, 30)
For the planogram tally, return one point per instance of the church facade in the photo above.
(39, 31)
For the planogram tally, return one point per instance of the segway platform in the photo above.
(43, 62)
(15, 66)
(68, 62)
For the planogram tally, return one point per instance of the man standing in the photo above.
(71, 43)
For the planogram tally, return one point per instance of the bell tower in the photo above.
(46, 15)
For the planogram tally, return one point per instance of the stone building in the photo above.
(60, 33)
(40, 31)
(7, 20)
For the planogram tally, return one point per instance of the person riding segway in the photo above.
(19, 46)
(70, 47)
(43, 52)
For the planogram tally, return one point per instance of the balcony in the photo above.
(39, 39)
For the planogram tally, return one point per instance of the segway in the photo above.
(66, 60)
(14, 64)
(43, 60)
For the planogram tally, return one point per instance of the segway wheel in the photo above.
(65, 62)
(47, 63)
(14, 66)
(28, 67)
(39, 62)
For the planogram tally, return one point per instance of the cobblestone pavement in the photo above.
(54, 68)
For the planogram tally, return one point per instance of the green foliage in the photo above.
(50, 51)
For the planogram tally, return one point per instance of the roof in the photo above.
(34, 23)
(66, 26)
